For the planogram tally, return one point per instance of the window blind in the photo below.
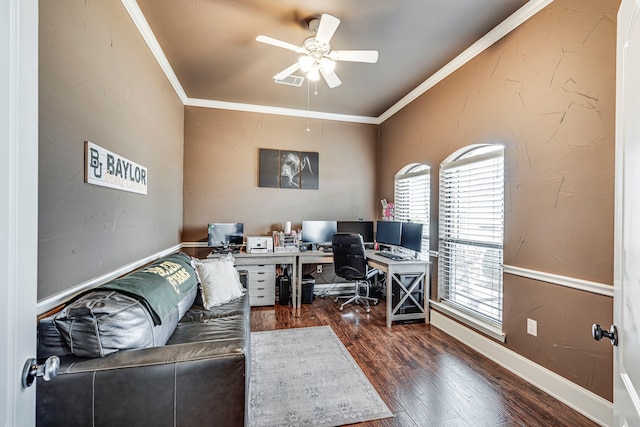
(412, 199)
(471, 230)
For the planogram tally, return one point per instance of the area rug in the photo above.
(306, 377)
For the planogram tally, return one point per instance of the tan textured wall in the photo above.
(547, 92)
(98, 81)
(221, 171)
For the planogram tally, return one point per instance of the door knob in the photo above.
(599, 333)
(47, 370)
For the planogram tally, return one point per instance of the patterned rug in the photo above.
(306, 377)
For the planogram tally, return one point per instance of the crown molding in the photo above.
(145, 31)
(265, 109)
(505, 27)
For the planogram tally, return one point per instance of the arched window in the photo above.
(411, 198)
(471, 231)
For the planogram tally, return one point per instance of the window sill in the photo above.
(472, 322)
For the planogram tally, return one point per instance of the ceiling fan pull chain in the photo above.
(308, 103)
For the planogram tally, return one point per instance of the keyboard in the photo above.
(390, 255)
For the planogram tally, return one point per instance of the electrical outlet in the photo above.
(319, 269)
(532, 327)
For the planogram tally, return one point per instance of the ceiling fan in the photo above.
(318, 58)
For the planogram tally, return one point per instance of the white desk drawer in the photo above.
(260, 268)
(261, 281)
(258, 300)
(261, 289)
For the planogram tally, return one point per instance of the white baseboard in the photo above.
(582, 400)
(56, 300)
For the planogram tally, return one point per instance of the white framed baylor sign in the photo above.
(107, 169)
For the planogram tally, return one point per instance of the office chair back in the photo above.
(349, 257)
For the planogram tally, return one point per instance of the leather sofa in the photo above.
(200, 377)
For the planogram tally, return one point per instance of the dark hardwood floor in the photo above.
(426, 377)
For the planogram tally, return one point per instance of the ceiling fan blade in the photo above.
(287, 72)
(370, 56)
(279, 43)
(331, 78)
(328, 25)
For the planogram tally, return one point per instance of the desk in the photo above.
(417, 269)
(307, 257)
(268, 258)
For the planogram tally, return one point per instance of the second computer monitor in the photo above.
(388, 232)
(318, 232)
(411, 236)
(364, 228)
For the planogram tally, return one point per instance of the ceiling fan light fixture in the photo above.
(328, 66)
(306, 63)
(314, 74)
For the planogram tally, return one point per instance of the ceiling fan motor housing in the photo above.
(316, 49)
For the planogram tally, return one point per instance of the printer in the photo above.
(259, 244)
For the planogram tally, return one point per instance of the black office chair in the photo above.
(350, 263)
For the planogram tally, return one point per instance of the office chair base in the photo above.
(359, 299)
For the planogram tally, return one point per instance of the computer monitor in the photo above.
(388, 232)
(364, 228)
(225, 234)
(318, 232)
(411, 236)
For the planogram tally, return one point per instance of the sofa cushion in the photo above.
(139, 310)
(198, 313)
(230, 328)
(159, 286)
(102, 322)
(51, 341)
(219, 281)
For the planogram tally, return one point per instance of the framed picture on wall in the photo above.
(309, 174)
(269, 174)
(288, 169)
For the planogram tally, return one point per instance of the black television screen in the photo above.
(319, 232)
(364, 228)
(225, 234)
(411, 236)
(388, 232)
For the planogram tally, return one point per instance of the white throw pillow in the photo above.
(219, 281)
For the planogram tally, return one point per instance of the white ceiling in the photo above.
(210, 46)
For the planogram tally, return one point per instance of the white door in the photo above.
(18, 205)
(627, 229)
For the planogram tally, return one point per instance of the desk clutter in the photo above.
(285, 242)
(278, 265)
(404, 238)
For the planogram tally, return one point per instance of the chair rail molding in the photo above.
(58, 299)
(557, 279)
